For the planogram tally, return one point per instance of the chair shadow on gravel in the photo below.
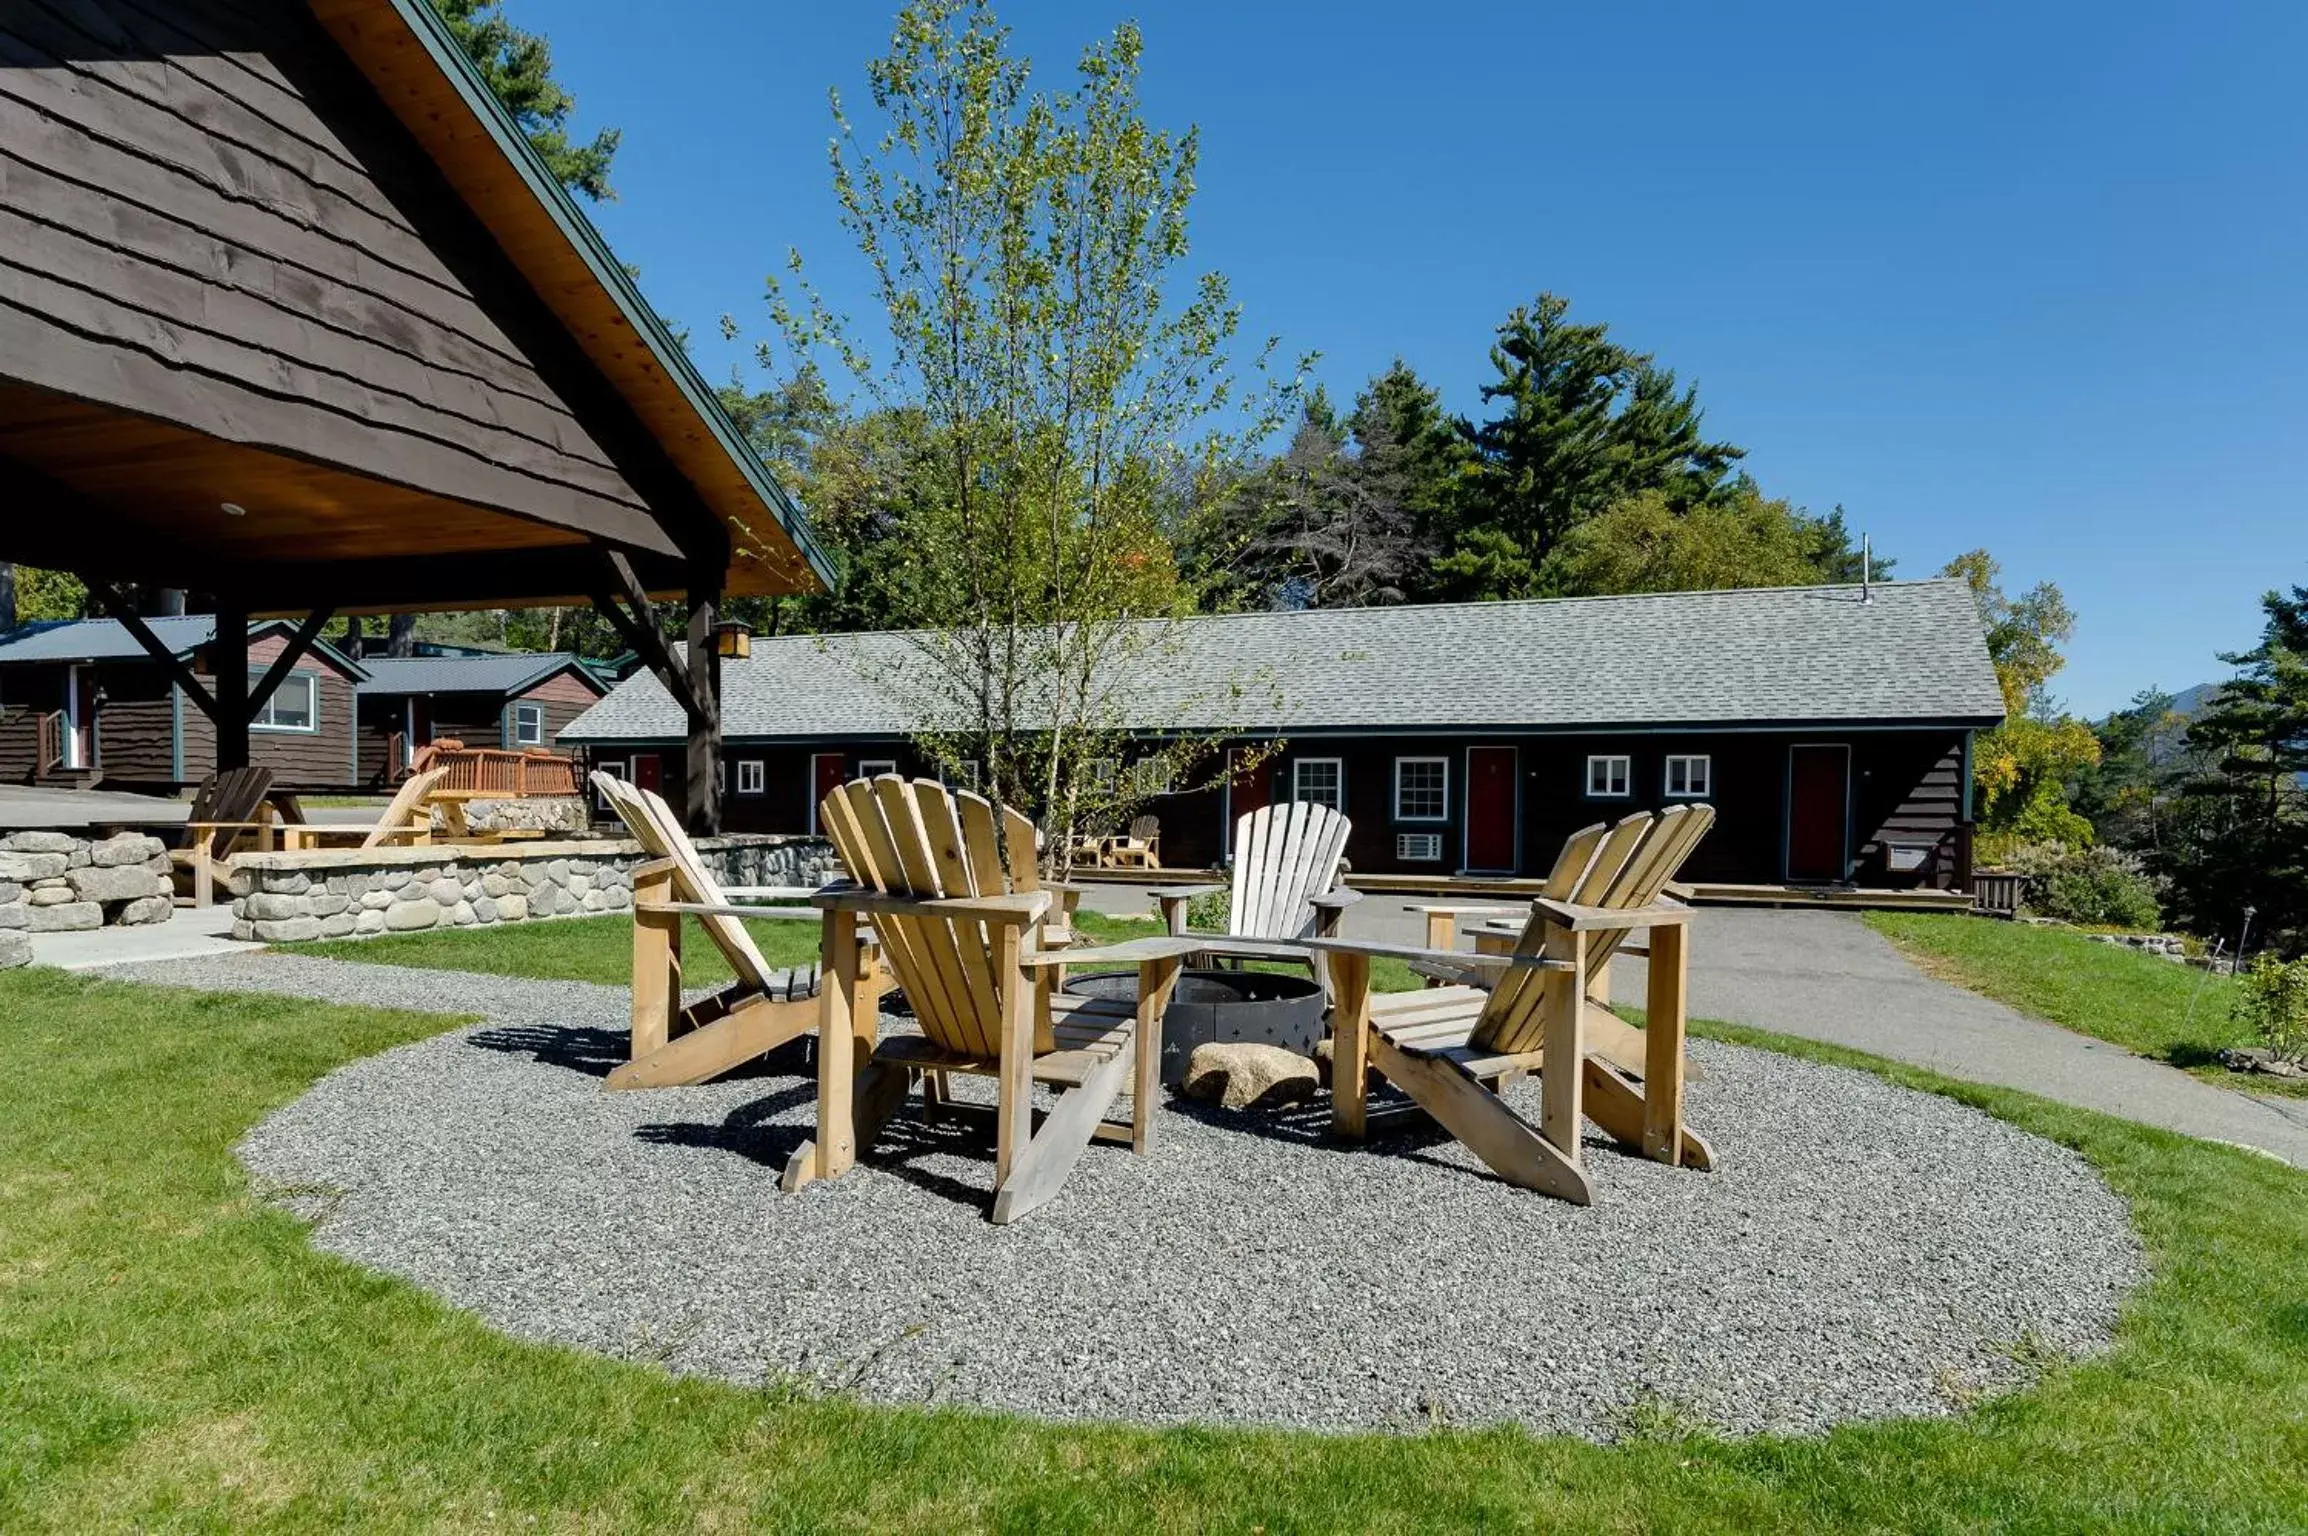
(598, 1052)
(745, 1130)
(1397, 1130)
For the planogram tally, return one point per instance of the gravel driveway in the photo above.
(1864, 1250)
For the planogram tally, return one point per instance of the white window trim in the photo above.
(875, 767)
(1706, 761)
(615, 767)
(1444, 814)
(312, 682)
(519, 740)
(1625, 776)
(752, 776)
(1298, 774)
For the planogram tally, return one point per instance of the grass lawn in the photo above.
(2173, 1013)
(174, 1354)
(600, 949)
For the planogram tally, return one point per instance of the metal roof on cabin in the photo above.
(506, 672)
(1796, 655)
(101, 639)
(109, 640)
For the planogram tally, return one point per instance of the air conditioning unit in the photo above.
(1418, 847)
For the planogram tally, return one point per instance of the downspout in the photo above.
(176, 732)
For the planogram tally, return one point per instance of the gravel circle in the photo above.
(1864, 1251)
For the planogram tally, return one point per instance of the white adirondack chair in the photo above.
(1285, 891)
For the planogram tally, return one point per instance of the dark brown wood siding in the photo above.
(207, 217)
(26, 693)
(1906, 786)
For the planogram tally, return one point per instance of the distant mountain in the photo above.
(2191, 702)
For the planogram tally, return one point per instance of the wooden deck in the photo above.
(1703, 893)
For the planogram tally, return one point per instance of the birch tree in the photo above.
(1079, 400)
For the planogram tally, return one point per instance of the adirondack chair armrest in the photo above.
(1189, 892)
(1578, 919)
(1127, 952)
(1419, 954)
(743, 893)
(1020, 911)
(1447, 909)
(1337, 900)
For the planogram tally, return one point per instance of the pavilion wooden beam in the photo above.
(228, 664)
(300, 645)
(112, 601)
(703, 757)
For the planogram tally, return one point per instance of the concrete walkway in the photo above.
(190, 933)
(1828, 976)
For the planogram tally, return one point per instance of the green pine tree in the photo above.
(518, 67)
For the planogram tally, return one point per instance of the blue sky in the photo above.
(2025, 276)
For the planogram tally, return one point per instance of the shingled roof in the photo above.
(507, 673)
(1909, 652)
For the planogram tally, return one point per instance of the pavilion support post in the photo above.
(228, 660)
(704, 710)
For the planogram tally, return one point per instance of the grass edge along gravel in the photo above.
(175, 1354)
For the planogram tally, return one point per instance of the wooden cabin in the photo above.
(83, 703)
(1830, 727)
(513, 700)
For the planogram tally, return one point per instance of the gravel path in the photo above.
(1865, 1251)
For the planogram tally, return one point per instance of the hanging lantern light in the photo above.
(732, 640)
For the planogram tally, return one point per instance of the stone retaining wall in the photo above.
(291, 898)
(53, 882)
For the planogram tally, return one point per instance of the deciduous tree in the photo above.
(1075, 393)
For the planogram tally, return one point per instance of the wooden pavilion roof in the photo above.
(290, 312)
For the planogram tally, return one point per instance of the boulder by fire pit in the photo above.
(1268, 1007)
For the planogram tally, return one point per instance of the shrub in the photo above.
(2271, 1000)
(1209, 911)
(2100, 886)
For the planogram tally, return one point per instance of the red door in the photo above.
(1247, 790)
(825, 776)
(1818, 813)
(647, 774)
(1491, 774)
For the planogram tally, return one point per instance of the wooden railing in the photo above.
(52, 730)
(486, 773)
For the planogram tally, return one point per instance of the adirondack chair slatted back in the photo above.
(407, 805)
(1145, 828)
(924, 840)
(658, 831)
(1626, 865)
(233, 795)
(1284, 856)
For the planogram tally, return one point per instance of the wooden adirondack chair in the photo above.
(959, 910)
(1285, 889)
(228, 810)
(1450, 1048)
(1139, 848)
(673, 1045)
(407, 822)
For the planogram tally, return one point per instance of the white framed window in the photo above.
(1422, 789)
(875, 767)
(1607, 777)
(1418, 847)
(1319, 780)
(964, 776)
(1151, 776)
(1690, 777)
(615, 768)
(750, 776)
(528, 725)
(294, 706)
